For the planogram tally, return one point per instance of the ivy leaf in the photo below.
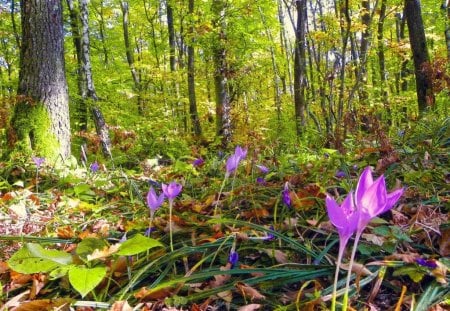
(85, 279)
(33, 258)
(137, 244)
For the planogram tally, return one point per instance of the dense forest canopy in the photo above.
(242, 70)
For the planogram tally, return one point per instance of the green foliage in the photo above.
(33, 258)
(31, 125)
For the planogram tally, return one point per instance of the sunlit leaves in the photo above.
(86, 279)
(33, 258)
(137, 244)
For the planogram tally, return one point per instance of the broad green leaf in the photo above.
(86, 279)
(60, 257)
(82, 188)
(137, 244)
(59, 272)
(413, 272)
(89, 245)
(32, 258)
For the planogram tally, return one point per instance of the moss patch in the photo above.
(31, 127)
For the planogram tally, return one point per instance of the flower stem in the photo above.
(37, 180)
(220, 193)
(336, 275)
(170, 225)
(349, 274)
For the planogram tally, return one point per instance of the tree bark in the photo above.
(223, 103)
(447, 29)
(413, 13)
(80, 30)
(42, 82)
(300, 78)
(129, 53)
(196, 127)
(380, 53)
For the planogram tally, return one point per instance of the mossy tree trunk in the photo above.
(40, 124)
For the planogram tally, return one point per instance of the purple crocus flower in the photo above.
(38, 161)
(240, 152)
(372, 199)
(94, 167)
(285, 195)
(340, 174)
(269, 236)
(343, 217)
(198, 162)
(172, 190)
(261, 180)
(233, 258)
(263, 169)
(233, 161)
(154, 201)
(429, 263)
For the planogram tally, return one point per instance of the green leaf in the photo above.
(137, 244)
(86, 279)
(33, 258)
(382, 230)
(82, 188)
(89, 245)
(413, 272)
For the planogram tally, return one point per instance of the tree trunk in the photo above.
(171, 30)
(380, 53)
(196, 128)
(42, 83)
(223, 104)
(130, 56)
(101, 25)
(425, 97)
(447, 29)
(85, 81)
(300, 78)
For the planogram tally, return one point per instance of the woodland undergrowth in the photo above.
(82, 236)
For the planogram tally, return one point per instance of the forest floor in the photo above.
(78, 237)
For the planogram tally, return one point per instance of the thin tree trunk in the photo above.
(223, 103)
(380, 53)
(13, 22)
(413, 13)
(196, 127)
(300, 78)
(446, 5)
(130, 57)
(276, 75)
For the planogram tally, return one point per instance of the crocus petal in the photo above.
(392, 198)
(240, 152)
(344, 218)
(154, 201)
(373, 200)
(365, 181)
(232, 163)
(172, 190)
(335, 213)
(263, 169)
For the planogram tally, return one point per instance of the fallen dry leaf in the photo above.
(105, 252)
(249, 292)
(62, 304)
(280, 257)
(357, 268)
(250, 307)
(145, 294)
(121, 306)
